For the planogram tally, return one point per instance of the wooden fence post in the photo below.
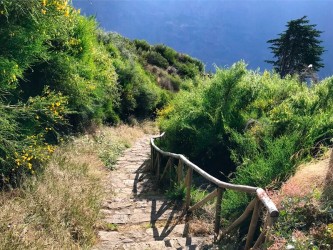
(268, 223)
(180, 171)
(253, 224)
(218, 212)
(168, 165)
(158, 162)
(188, 188)
(171, 169)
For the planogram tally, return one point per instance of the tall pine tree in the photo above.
(297, 50)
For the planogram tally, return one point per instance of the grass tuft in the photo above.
(58, 208)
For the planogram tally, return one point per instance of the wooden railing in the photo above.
(261, 199)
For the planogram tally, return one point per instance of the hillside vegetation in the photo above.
(60, 74)
(251, 127)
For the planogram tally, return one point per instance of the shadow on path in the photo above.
(146, 188)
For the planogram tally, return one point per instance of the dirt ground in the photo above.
(315, 176)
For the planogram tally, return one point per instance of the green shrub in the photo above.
(176, 193)
(157, 59)
(257, 126)
(304, 223)
(187, 70)
(55, 77)
(187, 60)
(28, 134)
(168, 53)
(140, 96)
(141, 45)
(196, 120)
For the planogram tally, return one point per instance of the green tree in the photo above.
(297, 50)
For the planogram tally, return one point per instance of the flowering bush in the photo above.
(55, 77)
(30, 132)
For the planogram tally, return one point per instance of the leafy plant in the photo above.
(249, 126)
(156, 59)
(304, 224)
(177, 192)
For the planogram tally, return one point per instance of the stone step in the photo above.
(137, 215)
(141, 233)
(135, 211)
(191, 243)
(155, 202)
(147, 232)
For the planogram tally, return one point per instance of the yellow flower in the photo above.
(57, 104)
(43, 12)
(44, 2)
(67, 12)
(50, 149)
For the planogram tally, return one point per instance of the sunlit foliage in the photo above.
(255, 125)
(55, 77)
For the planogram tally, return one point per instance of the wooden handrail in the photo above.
(261, 195)
(267, 202)
(221, 184)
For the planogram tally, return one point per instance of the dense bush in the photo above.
(157, 59)
(139, 94)
(257, 126)
(186, 59)
(168, 66)
(168, 53)
(29, 123)
(60, 74)
(141, 45)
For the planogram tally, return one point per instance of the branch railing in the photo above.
(261, 199)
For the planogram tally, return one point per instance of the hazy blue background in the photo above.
(217, 32)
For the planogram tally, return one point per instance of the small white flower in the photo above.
(290, 247)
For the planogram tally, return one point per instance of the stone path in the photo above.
(137, 215)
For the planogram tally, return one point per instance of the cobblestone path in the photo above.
(136, 214)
